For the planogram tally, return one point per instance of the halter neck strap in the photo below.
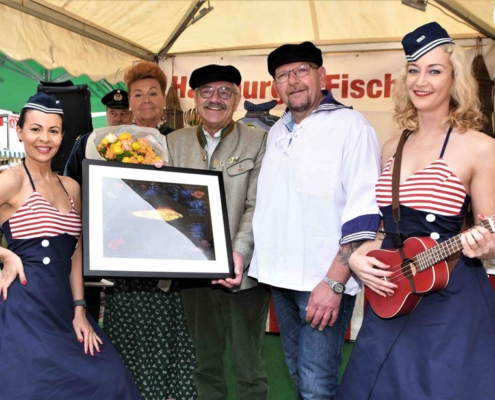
(31, 179)
(28, 174)
(445, 142)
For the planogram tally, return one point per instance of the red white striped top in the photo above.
(434, 189)
(38, 218)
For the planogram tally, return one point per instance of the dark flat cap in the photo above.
(214, 73)
(44, 102)
(424, 39)
(289, 53)
(117, 98)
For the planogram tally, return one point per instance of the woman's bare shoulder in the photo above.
(11, 182)
(389, 148)
(71, 186)
(476, 151)
(480, 137)
(477, 144)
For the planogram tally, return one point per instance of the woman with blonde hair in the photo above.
(444, 346)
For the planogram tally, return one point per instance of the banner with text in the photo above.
(361, 80)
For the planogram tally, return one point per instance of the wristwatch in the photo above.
(81, 302)
(337, 287)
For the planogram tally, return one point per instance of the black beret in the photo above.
(117, 98)
(289, 53)
(423, 39)
(214, 73)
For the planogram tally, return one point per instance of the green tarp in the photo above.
(20, 79)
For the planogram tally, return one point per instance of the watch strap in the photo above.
(333, 283)
(81, 302)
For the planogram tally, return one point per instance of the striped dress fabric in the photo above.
(435, 189)
(38, 218)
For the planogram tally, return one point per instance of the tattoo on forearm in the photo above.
(346, 250)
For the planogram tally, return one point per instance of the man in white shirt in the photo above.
(315, 206)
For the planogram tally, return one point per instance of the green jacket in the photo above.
(238, 156)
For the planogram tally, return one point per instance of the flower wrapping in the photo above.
(127, 143)
(155, 139)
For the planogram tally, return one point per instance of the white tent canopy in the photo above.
(102, 38)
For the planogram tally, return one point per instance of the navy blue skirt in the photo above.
(443, 349)
(40, 356)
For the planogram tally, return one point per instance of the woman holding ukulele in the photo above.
(445, 347)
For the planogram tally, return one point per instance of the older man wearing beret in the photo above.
(316, 205)
(231, 310)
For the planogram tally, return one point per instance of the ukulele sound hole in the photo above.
(408, 268)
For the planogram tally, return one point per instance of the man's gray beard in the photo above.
(301, 107)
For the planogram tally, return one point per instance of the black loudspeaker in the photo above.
(76, 103)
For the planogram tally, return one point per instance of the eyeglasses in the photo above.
(225, 93)
(299, 72)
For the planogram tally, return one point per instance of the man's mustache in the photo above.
(296, 88)
(213, 104)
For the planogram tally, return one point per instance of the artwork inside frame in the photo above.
(140, 221)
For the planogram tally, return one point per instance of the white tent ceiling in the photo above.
(100, 38)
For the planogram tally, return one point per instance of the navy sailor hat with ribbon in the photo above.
(45, 103)
(424, 39)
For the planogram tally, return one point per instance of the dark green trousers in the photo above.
(214, 316)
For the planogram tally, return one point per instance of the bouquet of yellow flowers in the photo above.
(127, 143)
(125, 149)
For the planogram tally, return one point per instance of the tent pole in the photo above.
(6, 63)
(463, 13)
(189, 19)
(61, 78)
(106, 84)
(47, 75)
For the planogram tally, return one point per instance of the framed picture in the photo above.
(140, 221)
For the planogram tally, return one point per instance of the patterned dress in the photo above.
(148, 327)
(445, 348)
(146, 324)
(40, 356)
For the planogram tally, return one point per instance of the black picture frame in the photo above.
(140, 221)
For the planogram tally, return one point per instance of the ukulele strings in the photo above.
(414, 260)
(407, 275)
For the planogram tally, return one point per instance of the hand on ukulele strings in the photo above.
(477, 241)
(373, 273)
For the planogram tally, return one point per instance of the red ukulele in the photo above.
(424, 270)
